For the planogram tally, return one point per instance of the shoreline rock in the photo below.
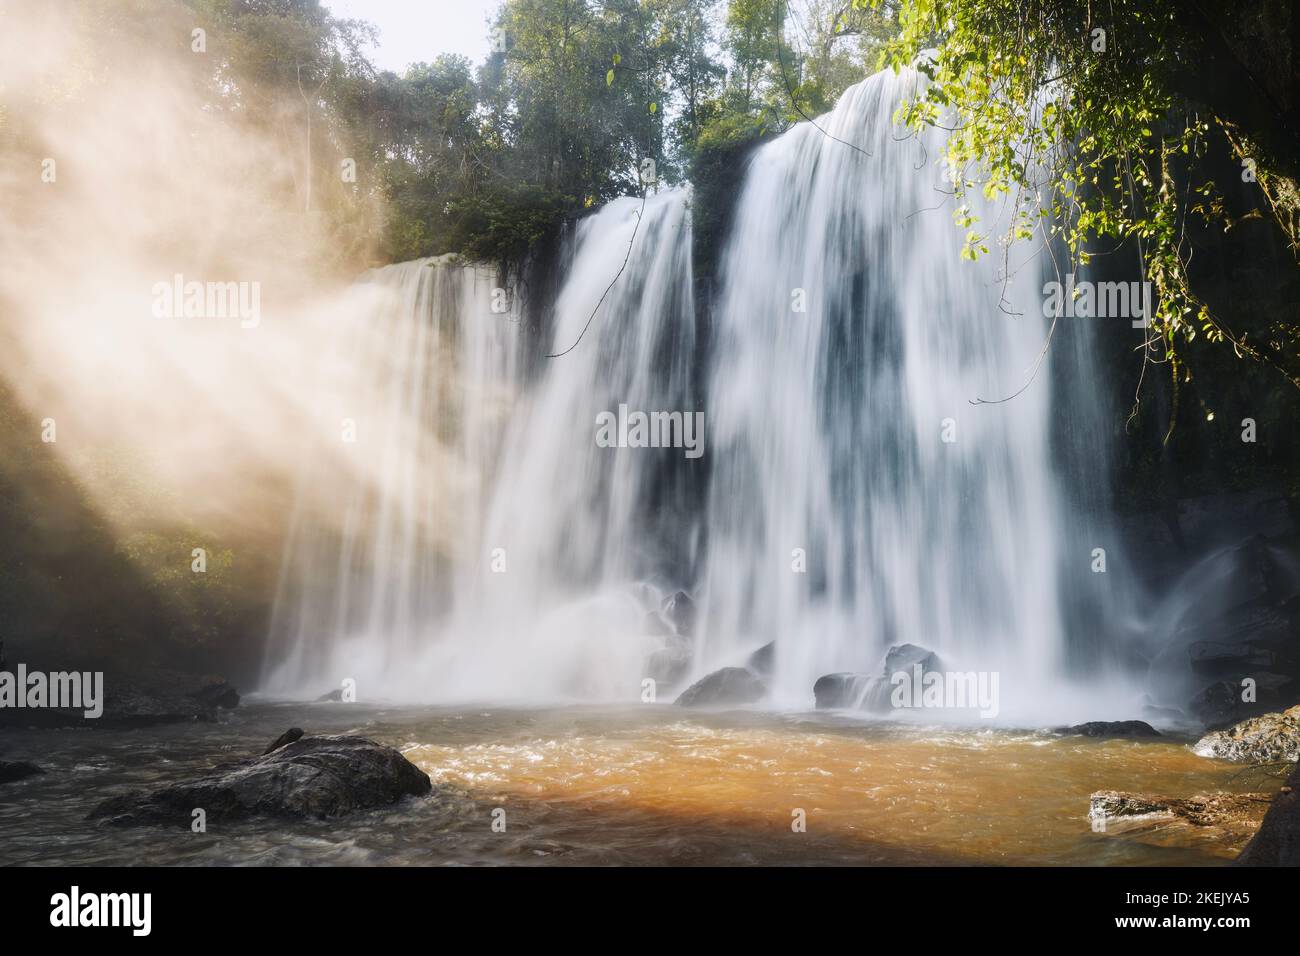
(1230, 817)
(1268, 738)
(317, 777)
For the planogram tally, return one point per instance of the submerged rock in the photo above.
(19, 770)
(317, 777)
(1277, 842)
(730, 685)
(1269, 738)
(1112, 728)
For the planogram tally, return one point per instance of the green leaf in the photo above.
(654, 108)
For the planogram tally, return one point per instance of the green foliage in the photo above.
(1075, 114)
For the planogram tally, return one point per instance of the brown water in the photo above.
(653, 785)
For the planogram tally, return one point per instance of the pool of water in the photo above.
(648, 785)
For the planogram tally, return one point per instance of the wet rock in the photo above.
(763, 660)
(317, 777)
(1277, 842)
(730, 685)
(288, 737)
(903, 657)
(1269, 738)
(18, 770)
(841, 690)
(1111, 728)
(679, 611)
(217, 692)
(850, 690)
(1222, 817)
(336, 694)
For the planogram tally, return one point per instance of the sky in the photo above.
(414, 30)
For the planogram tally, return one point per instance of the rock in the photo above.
(1277, 842)
(1111, 728)
(763, 660)
(849, 690)
(335, 694)
(1269, 738)
(19, 770)
(903, 657)
(288, 737)
(217, 692)
(317, 777)
(1223, 817)
(679, 611)
(730, 685)
(841, 690)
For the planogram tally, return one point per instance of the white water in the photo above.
(461, 573)
(823, 433)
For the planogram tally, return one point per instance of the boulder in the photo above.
(728, 686)
(19, 770)
(217, 692)
(850, 690)
(317, 777)
(842, 690)
(763, 660)
(1277, 842)
(1111, 728)
(336, 695)
(903, 657)
(679, 611)
(1269, 738)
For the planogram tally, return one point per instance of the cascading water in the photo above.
(864, 490)
(858, 492)
(489, 551)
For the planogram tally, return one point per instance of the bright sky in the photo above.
(414, 30)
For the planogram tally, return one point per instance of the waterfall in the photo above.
(877, 459)
(491, 549)
(868, 486)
